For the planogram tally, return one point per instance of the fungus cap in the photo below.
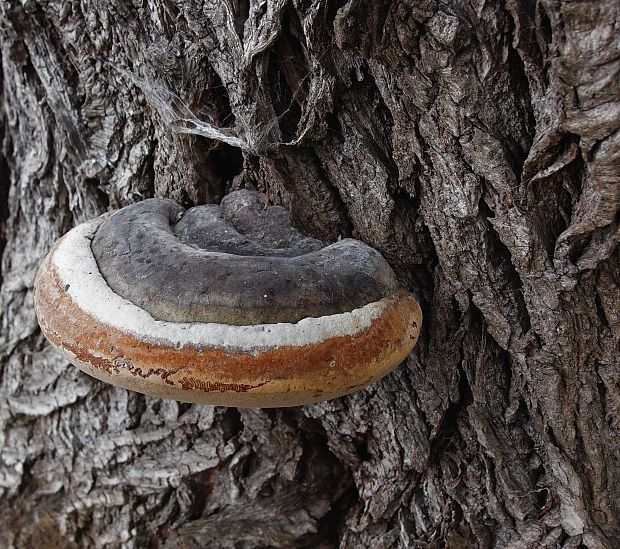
(225, 305)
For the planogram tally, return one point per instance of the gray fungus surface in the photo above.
(239, 263)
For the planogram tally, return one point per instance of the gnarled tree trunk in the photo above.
(476, 144)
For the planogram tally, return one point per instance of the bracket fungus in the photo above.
(226, 305)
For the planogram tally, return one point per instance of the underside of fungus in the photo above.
(225, 305)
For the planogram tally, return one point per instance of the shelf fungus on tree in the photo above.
(226, 305)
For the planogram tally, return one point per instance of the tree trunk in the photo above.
(475, 143)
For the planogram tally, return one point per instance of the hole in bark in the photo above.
(361, 446)
(156, 406)
(334, 127)
(231, 424)
(221, 165)
(542, 495)
(227, 161)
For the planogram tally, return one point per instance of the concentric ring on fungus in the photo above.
(226, 305)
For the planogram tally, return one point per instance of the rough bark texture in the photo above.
(475, 143)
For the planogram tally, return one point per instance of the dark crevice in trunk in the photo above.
(136, 407)
(215, 100)
(447, 434)
(333, 524)
(552, 216)
(241, 9)
(232, 425)
(334, 7)
(287, 73)
(502, 260)
(5, 183)
(330, 526)
(200, 486)
(373, 120)
(545, 24)
(551, 200)
(102, 197)
(172, 9)
(332, 221)
(600, 310)
(45, 45)
(518, 151)
(222, 164)
(320, 477)
(579, 244)
(149, 171)
(345, 227)
(419, 275)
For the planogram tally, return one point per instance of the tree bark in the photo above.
(475, 143)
